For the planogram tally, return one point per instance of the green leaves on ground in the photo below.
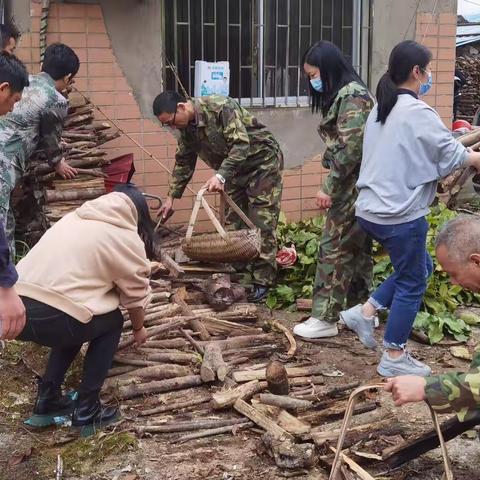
(441, 299)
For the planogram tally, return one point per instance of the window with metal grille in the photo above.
(264, 41)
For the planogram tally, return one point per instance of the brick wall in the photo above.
(100, 77)
(437, 32)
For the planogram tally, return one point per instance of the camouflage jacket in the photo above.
(36, 122)
(227, 138)
(342, 131)
(457, 391)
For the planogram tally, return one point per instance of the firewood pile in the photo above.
(45, 197)
(213, 365)
(470, 95)
(449, 188)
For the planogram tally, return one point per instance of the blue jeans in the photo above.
(402, 292)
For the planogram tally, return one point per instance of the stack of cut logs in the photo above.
(45, 197)
(226, 369)
(470, 95)
(209, 369)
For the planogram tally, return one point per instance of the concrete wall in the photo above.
(135, 30)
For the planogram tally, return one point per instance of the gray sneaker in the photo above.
(404, 365)
(361, 325)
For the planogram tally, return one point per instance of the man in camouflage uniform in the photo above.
(344, 266)
(458, 251)
(247, 160)
(36, 122)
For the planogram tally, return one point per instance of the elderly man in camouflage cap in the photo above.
(245, 156)
(458, 251)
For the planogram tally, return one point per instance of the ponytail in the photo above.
(404, 57)
(387, 96)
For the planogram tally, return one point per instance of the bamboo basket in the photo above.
(222, 246)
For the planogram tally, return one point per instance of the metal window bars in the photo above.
(264, 41)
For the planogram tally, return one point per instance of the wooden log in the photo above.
(62, 196)
(160, 386)
(136, 362)
(171, 407)
(244, 340)
(167, 343)
(227, 398)
(121, 370)
(200, 424)
(181, 358)
(363, 474)
(220, 293)
(385, 426)
(213, 365)
(277, 378)
(155, 331)
(217, 326)
(196, 324)
(262, 420)
(335, 411)
(420, 444)
(247, 375)
(283, 418)
(156, 372)
(284, 402)
(212, 431)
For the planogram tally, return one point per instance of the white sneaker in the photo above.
(315, 328)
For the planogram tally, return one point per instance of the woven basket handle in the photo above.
(237, 210)
(193, 217)
(346, 421)
(200, 200)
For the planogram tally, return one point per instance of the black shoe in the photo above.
(50, 400)
(90, 415)
(260, 293)
(51, 407)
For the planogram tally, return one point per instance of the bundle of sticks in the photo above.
(470, 96)
(44, 197)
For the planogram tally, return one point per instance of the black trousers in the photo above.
(65, 335)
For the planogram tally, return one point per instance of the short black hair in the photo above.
(7, 31)
(167, 102)
(13, 71)
(59, 61)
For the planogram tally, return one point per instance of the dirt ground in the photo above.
(119, 455)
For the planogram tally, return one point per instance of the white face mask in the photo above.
(425, 87)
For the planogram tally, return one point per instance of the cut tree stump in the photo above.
(277, 378)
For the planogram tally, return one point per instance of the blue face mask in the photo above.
(425, 87)
(317, 84)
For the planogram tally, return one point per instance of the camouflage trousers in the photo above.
(9, 177)
(259, 197)
(344, 267)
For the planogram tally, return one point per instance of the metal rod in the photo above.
(261, 55)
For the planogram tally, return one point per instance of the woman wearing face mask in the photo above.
(344, 266)
(406, 150)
